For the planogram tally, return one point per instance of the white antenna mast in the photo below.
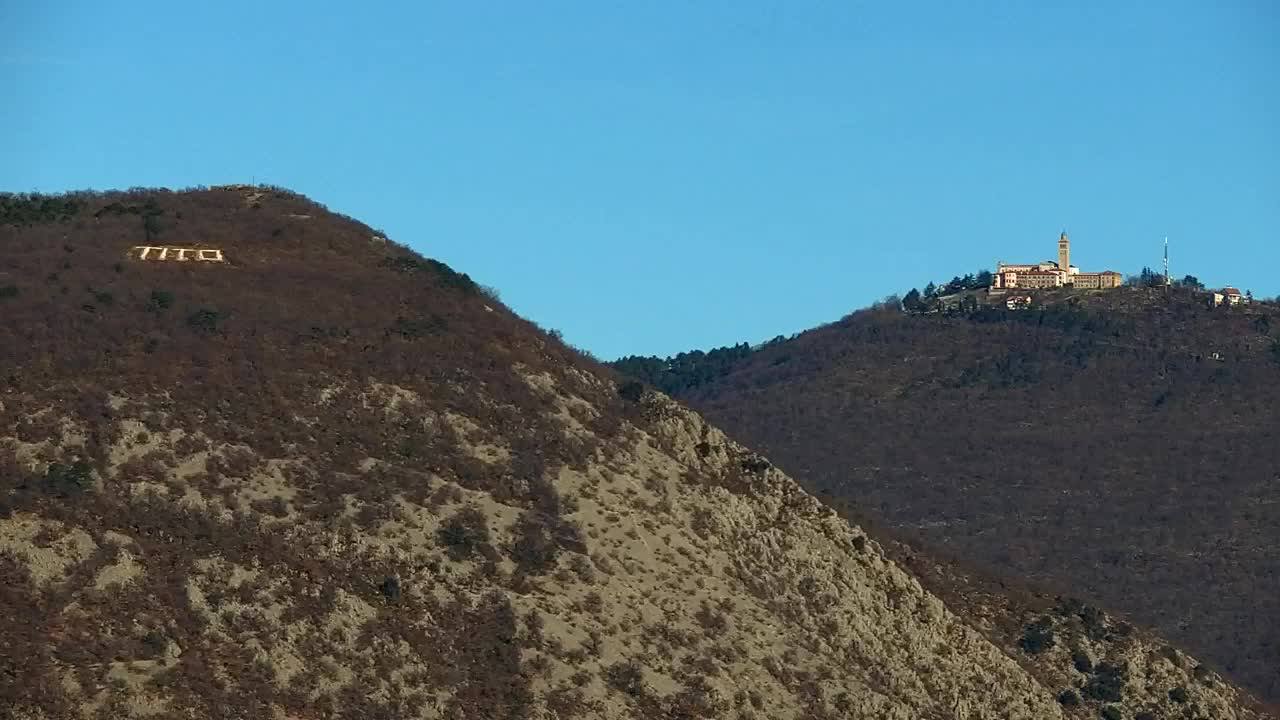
(1167, 280)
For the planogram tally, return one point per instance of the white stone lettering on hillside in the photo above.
(150, 252)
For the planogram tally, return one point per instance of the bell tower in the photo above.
(1064, 252)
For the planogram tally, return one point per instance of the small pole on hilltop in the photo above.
(1167, 280)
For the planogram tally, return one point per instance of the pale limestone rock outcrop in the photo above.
(707, 581)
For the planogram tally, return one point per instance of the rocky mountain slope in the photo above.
(306, 473)
(1124, 445)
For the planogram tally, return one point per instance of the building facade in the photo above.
(1229, 296)
(1097, 281)
(1039, 279)
(1050, 274)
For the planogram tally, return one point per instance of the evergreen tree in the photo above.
(911, 301)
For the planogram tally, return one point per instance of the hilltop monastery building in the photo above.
(1050, 274)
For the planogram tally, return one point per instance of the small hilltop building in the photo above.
(1051, 274)
(1229, 296)
(1018, 301)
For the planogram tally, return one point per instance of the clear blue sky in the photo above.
(649, 177)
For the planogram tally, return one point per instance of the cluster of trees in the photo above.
(915, 300)
(685, 371)
(1152, 278)
(1190, 282)
(26, 209)
(1146, 278)
(972, 281)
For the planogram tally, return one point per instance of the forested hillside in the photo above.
(258, 461)
(1126, 444)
